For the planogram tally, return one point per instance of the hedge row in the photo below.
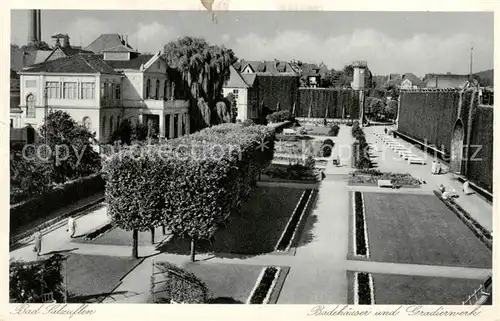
(181, 285)
(360, 224)
(359, 157)
(189, 184)
(62, 195)
(279, 116)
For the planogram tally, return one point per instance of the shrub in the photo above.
(279, 116)
(364, 291)
(310, 162)
(29, 281)
(334, 130)
(328, 141)
(302, 131)
(292, 172)
(181, 285)
(360, 224)
(326, 150)
(248, 122)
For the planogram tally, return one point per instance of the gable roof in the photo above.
(106, 41)
(235, 79)
(414, 79)
(79, 63)
(119, 48)
(20, 59)
(67, 51)
(249, 78)
(134, 63)
(274, 67)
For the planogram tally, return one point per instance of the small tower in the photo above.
(358, 81)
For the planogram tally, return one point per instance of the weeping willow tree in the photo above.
(204, 69)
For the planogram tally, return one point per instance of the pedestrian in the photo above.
(466, 188)
(37, 248)
(71, 227)
(385, 130)
(439, 169)
(442, 188)
(433, 167)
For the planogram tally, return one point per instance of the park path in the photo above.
(318, 268)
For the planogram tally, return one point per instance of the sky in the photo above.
(390, 42)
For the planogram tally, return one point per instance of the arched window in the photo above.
(103, 126)
(30, 106)
(110, 125)
(148, 88)
(87, 122)
(157, 89)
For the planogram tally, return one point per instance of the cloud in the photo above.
(417, 53)
(153, 36)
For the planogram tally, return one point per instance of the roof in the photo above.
(106, 41)
(67, 51)
(446, 81)
(274, 67)
(133, 63)
(119, 48)
(249, 78)
(41, 56)
(79, 63)
(235, 79)
(414, 79)
(20, 59)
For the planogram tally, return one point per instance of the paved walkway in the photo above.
(318, 269)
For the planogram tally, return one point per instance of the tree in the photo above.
(40, 45)
(203, 67)
(223, 115)
(233, 107)
(69, 140)
(391, 110)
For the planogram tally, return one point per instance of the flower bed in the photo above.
(363, 289)
(371, 176)
(265, 286)
(289, 232)
(99, 232)
(361, 239)
(291, 172)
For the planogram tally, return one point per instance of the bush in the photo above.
(326, 150)
(182, 286)
(29, 281)
(334, 130)
(328, 141)
(291, 172)
(248, 122)
(57, 197)
(279, 116)
(264, 286)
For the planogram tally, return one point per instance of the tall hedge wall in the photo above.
(429, 116)
(481, 171)
(321, 99)
(273, 89)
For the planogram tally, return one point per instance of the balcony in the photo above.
(165, 104)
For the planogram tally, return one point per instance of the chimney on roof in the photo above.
(126, 40)
(66, 43)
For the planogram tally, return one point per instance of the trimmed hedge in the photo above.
(360, 224)
(334, 130)
(264, 286)
(279, 116)
(291, 172)
(181, 285)
(62, 195)
(190, 184)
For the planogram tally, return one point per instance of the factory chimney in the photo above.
(34, 26)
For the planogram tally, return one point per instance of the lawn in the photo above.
(92, 277)
(257, 228)
(118, 236)
(420, 229)
(422, 290)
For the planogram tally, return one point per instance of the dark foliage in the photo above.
(182, 285)
(360, 227)
(364, 291)
(294, 221)
(264, 286)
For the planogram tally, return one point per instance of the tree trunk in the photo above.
(152, 236)
(135, 244)
(193, 248)
(163, 230)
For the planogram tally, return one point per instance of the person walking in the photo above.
(385, 130)
(466, 188)
(438, 168)
(71, 227)
(433, 168)
(37, 248)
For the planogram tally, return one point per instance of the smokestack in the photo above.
(32, 26)
(126, 40)
(39, 25)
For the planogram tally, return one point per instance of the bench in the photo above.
(416, 160)
(397, 148)
(384, 183)
(405, 154)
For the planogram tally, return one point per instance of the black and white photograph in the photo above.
(339, 159)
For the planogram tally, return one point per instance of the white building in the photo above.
(101, 90)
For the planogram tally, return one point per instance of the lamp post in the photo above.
(46, 110)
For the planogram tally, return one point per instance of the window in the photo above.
(88, 90)
(165, 90)
(30, 83)
(87, 122)
(117, 92)
(103, 91)
(53, 89)
(111, 125)
(70, 90)
(103, 126)
(235, 94)
(157, 89)
(148, 88)
(30, 106)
